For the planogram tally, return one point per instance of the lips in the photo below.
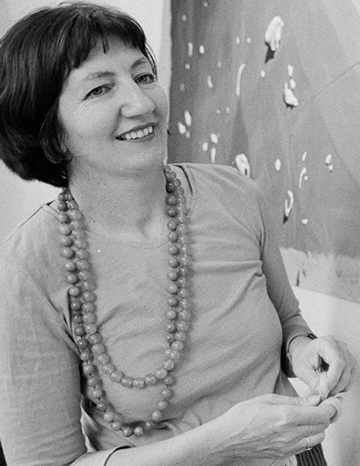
(135, 134)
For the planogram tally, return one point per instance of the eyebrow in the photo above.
(109, 74)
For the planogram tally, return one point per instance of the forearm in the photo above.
(193, 448)
(292, 336)
(294, 344)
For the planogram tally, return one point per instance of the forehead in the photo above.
(117, 57)
(117, 51)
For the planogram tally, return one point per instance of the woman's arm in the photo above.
(266, 427)
(278, 285)
(303, 356)
(40, 382)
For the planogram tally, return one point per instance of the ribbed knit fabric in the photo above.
(313, 457)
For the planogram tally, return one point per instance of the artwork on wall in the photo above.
(273, 89)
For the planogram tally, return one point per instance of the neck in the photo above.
(133, 205)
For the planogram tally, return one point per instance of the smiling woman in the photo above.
(34, 107)
(112, 97)
(146, 316)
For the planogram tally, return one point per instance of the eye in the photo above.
(98, 91)
(146, 78)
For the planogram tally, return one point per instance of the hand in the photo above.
(324, 364)
(271, 426)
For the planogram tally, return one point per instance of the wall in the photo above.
(18, 199)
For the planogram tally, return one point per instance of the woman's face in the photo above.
(113, 112)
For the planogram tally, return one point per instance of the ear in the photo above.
(62, 145)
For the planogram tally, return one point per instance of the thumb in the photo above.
(336, 402)
(312, 400)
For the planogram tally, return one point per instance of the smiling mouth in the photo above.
(138, 134)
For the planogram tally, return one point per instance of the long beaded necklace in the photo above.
(82, 297)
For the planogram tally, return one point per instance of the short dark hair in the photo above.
(36, 56)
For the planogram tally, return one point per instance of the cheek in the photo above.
(79, 130)
(162, 103)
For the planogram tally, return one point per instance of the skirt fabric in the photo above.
(313, 457)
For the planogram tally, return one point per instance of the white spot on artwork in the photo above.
(328, 161)
(302, 176)
(289, 97)
(201, 49)
(181, 127)
(213, 155)
(188, 119)
(288, 204)
(274, 32)
(209, 82)
(277, 165)
(242, 164)
(214, 138)
(205, 146)
(190, 49)
(238, 79)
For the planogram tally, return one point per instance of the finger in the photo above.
(322, 387)
(336, 374)
(343, 386)
(344, 383)
(336, 402)
(312, 429)
(307, 443)
(340, 363)
(311, 400)
(307, 413)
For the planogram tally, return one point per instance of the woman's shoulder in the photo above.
(31, 239)
(219, 178)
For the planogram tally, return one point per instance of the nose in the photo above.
(135, 101)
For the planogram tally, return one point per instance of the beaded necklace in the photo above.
(82, 297)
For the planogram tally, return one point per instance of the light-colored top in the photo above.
(243, 307)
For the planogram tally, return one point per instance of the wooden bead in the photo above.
(74, 248)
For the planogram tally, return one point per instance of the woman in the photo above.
(148, 306)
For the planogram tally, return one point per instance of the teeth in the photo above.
(138, 134)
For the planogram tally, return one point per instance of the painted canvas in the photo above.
(273, 89)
